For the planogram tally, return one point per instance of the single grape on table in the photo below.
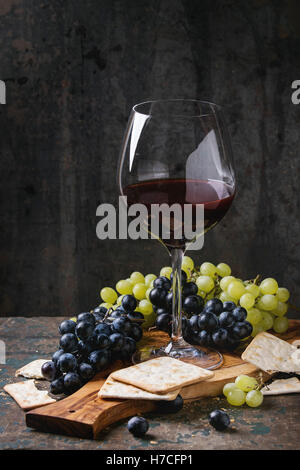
(219, 420)
(138, 426)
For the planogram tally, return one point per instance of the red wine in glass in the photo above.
(216, 197)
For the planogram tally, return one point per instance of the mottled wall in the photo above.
(73, 71)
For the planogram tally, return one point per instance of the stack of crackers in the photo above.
(156, 379)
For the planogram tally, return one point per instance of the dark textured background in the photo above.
(73, 71)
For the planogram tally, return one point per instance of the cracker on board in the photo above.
(162, 375)
(27, 395)
(282, 386)
(32, 370)
(269, 353)
(119, 390)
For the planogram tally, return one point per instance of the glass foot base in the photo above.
(199, 356)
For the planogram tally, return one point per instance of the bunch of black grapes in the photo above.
(91, 344)
(213, 324)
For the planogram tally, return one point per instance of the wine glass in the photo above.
(178, 151)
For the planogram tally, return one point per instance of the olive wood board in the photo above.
(83, 414)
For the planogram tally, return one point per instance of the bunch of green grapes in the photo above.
(265, 302)
(245, 389)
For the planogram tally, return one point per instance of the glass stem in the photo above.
(176, 256)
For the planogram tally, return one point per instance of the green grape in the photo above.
(268, 286)
(106, 305)
(145, 307)
(267, 320)
(257, 329)
(124, 287)
(150, 278)
(201, 293)
(228, 388)
(119, 299)
(148, 293)
(207, 269)
(187, 263)
(205, 283)
(236, 397)
(254, 398)
(223, 270)
(74, 319)
(236, 289)
(187, 271)
(108, 295)
(224, 297)
(283, 294)
(166, 271)
(280, 325)
(139, 291)
(149, 320)
(254, 316)
(137, 277)
(246, 383)
(252, 289)
(224, 283)
(268, 302)
(247, 300)
(281, 309)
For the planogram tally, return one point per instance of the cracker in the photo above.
(114, 389)
(296, 358)
(32, 370)
(27, 395)
(161, 375)
(269, 353)
(282, 386)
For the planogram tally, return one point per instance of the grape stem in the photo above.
(152, 328)
(107, 314)
(254, 281)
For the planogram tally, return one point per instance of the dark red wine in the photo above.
(216, 196)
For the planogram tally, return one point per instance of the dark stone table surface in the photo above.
(274, 425)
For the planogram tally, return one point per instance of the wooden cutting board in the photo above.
(85, 415)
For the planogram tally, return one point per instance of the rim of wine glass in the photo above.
(214, 106)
